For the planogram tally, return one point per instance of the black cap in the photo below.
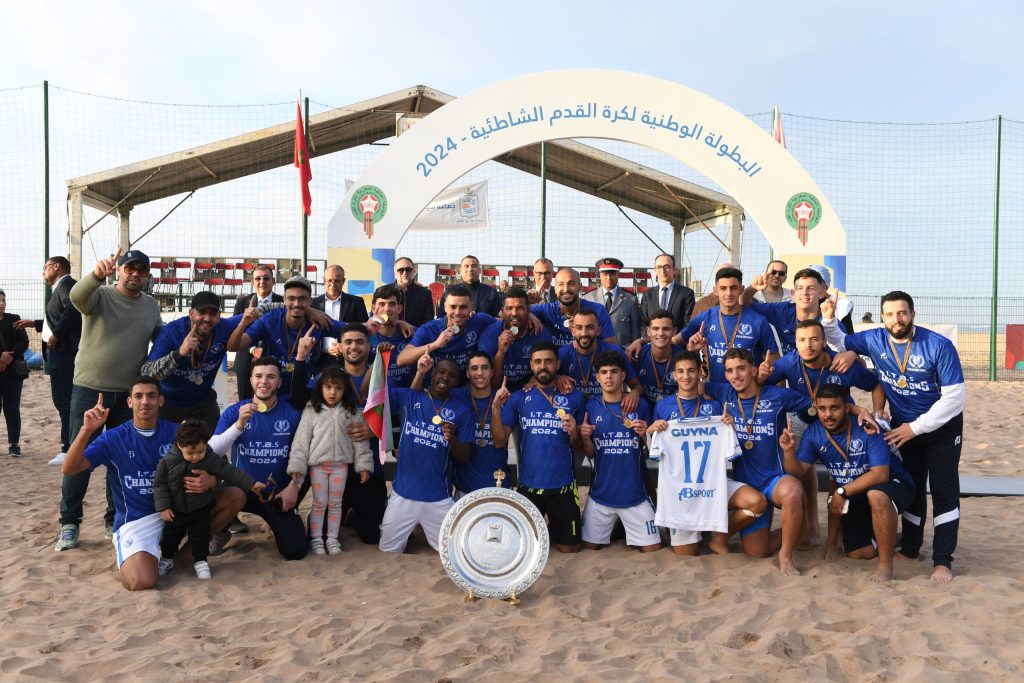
(609, 265)
(133, 255)
(203, 300)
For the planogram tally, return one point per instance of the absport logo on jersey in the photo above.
(803, 213)
(369, 204)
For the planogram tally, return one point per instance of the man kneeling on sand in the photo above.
(873, 488)
(131, 452)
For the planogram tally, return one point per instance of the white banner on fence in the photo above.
(457, 208)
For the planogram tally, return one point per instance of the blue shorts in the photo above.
(765, 520)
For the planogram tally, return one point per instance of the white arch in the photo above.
(680, 122)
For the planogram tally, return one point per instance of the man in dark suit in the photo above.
(621, 305)
(60, 349)
(667, 294)
(485, 298)
(263, 293)
(415, 301)
(543, 292)
(339, 306)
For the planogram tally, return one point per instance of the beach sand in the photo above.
(602, 615)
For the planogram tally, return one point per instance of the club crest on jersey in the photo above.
(705, 409)
(165, 449)
(916, 362)
(561, 401)
(447, 414)
(282, 425)
(833, 379)
(764, 404)
(856, 446)
(746, 329)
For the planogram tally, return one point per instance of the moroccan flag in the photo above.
(777, 132)
(302, 161)
(378, 409)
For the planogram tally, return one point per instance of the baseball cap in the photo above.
(826, 275)
(203, 300)
(298, 281)
(133, 255)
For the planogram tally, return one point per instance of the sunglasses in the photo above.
(778, 273)
(132, 268)
(403, 270)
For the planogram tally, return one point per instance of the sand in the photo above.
(602, 615)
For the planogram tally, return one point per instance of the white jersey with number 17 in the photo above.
(692, 489)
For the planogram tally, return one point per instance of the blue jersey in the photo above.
(581, 368)
(423, 452)
(657, 379)
(461, 345)
(261, 450)
(516, 366)
(399, 376)
(179, 389)
(545, 452)
(558, 325)
(620, 467)
(762, 463)
(789, 368)
(782, 316)
(131, 458)
(282, 342)
(701, 407)
(863, 452)
(478, 471)
(932, 363)
(752, 332)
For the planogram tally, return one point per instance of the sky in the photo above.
(875, 61)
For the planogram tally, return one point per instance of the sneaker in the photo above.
(164, 565)
(58, 459)
(14, 450)
(68, 537)
(316, 546)
(108, 530)
(238, 527)
(202, 570)
(333, 546)
(218, 542)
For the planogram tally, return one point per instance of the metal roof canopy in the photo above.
(570, 163)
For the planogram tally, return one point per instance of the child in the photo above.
(322, 445)
(191, 511)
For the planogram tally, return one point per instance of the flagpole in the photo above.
(305, 218)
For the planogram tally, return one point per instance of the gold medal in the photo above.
(482, 443)
(902, 382)
(261, 407)
(436, 419)
(749, 445)
(812, 411)
(289, 367)
(561, 412)
(384, 318)
(566, 323)
(628, 423)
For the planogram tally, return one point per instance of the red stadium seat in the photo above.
(182, 264)
(517, 273)
(158, 265)
(167, 280)
(248, 267)
(204, 265)
(213, 281)
(311, 268)
(490, 272)
(436, 290)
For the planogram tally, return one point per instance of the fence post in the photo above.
(47, 290)
(993, 324)
(543, 197)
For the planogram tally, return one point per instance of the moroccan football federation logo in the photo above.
(803, 213)
(369, 204)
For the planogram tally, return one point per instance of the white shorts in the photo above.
(139, 536)
(402, 515)
(638, 521)
(679, 537)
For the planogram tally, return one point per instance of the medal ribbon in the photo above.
(657, 374)
(585, 376)
(549, 398)
(682, 413)
(193, 355)
(753, 414)
(293, 348)
(807, 381)
(906, 356)
(486, 413)
(621, 415)
(721, 323)
(849, 429)
(437, 411)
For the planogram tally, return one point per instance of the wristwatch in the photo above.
(842, 492)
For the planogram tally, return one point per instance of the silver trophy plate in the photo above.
(494, 543)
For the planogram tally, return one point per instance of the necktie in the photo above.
(664, 297)
(608, 301)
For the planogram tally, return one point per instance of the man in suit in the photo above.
(621, 305)
(485, 298)
(668, 294)
(65, 325)
(339, 306)
(263, 293)
(415, 304)
(543, 292)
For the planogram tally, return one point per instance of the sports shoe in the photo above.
(14, 450)
(333, 546)
(58, 459)
(316, 546)
(218, 542)
(202, 570)
(238, 527)
(164, 565)
(68, 537)
(108, 530)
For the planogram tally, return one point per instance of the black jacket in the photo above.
(352, 309)
(417, 304)
(485, 299)
(680, 304)
(169, 490)
(242, 302)
(63, 319)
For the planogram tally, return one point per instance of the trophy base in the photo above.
(512, 600)
(470, 597)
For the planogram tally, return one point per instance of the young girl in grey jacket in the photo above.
(323, 447)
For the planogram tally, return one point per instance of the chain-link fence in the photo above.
(918, 202)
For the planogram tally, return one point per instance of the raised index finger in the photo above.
(117, 255)
(99, 400)
(309, 332)
(701, 330)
